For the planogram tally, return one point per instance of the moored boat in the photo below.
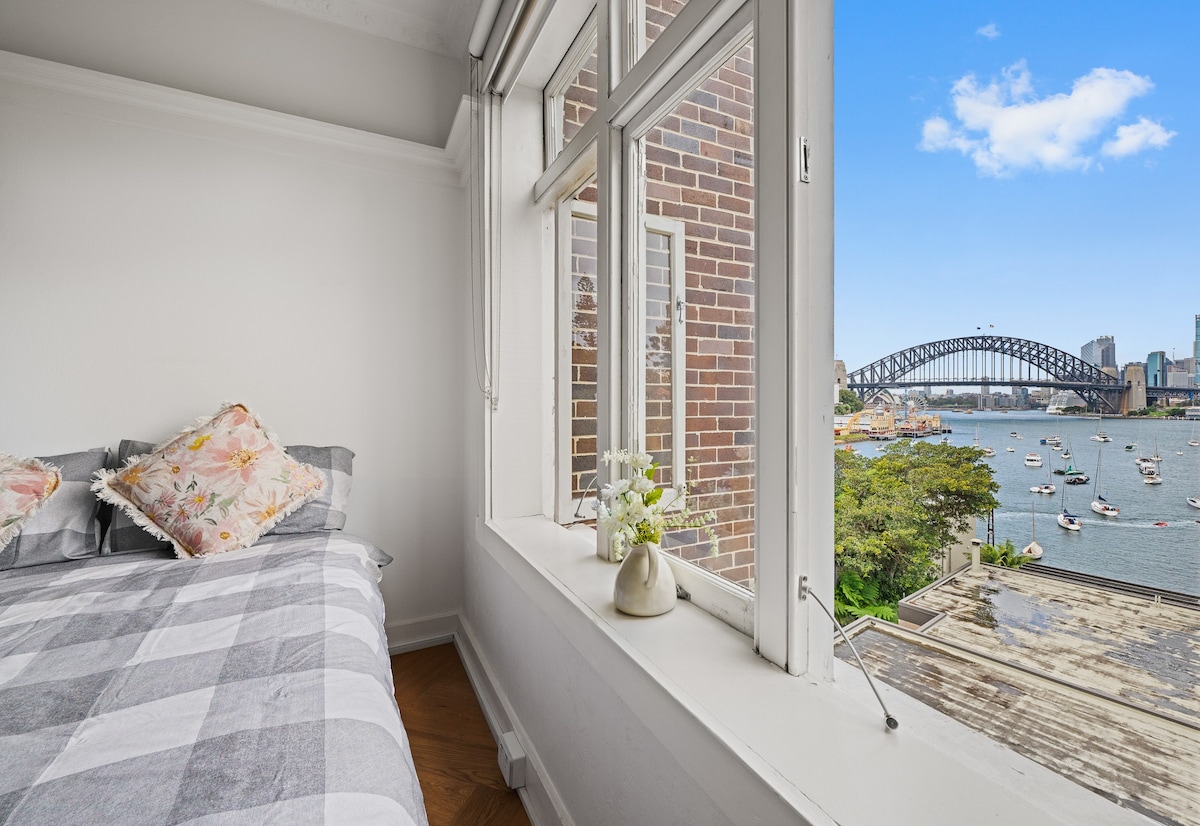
(1033, 460)
(1099, 504)
(1069, 521)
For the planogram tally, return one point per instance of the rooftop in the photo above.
(1099, 685)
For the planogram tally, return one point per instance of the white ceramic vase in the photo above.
(645, 585)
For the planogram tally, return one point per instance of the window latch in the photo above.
(679, 306)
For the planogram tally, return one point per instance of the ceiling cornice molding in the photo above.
(45, 84)
(441, 26)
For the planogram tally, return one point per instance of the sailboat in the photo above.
(1066, 519)
(1099, 504)
(1193, 441)
(1194, 501)
(1033, 549)
(1154, 457)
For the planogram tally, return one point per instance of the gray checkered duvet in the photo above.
(248, 687)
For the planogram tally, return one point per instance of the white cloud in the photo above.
(989, 31)
(1004, 126)
(1136, 137)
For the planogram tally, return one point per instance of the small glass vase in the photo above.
(645, 585)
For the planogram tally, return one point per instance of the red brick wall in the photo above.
(699, 171)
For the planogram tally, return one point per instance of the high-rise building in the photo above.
(1196, 354)
(1100, 352)
(1156, 369)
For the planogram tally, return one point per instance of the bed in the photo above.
(252, 686)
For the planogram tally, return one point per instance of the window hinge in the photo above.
(802, 160)
(682, 593)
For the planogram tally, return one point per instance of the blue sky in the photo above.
(1029, 165)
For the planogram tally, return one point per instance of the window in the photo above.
(570, 96)
(691, 300)
(576, 367)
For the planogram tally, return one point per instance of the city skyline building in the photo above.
(1196, 354)
(1156, 369)
(1100, 352)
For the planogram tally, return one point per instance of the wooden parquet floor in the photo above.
(452, 747)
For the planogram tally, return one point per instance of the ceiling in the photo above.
(442, 26)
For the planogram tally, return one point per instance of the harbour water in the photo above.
(1129, 547)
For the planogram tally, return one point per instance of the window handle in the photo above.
(679, 305)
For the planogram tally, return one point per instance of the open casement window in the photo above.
(693, 171)
(691, 296)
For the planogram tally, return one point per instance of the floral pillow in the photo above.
(24, 485)
(215, 488)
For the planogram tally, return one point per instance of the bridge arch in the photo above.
(964, 361)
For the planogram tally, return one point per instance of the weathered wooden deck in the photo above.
(1146, 653)
(1101, 687)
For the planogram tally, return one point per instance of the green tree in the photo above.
(895, 515)
(847, 403)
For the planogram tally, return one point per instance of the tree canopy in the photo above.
(847, 403)
(895, 515)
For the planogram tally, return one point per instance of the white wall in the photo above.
(248, 52)
(161, 253)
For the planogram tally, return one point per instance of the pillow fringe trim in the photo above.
(10, 533)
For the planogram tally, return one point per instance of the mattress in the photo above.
(248, 687)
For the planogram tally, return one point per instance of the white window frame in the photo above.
(569, 508)
(794, 288)
(553, 95)
(674, 230)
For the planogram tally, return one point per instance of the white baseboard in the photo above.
(422, 633)
(539, 796)
(541, 800)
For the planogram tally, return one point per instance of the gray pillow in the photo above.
(328, 511)
(67, 525)
(325, 513)
(123, 536)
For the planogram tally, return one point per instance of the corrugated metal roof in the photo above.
(1102, 687)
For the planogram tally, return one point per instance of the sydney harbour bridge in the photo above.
(1001, 360)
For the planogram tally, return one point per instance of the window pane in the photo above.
(659, 14)
(579, 100)
(582, 332)
(699, 169)
(661, 371)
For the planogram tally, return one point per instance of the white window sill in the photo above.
(766, 745)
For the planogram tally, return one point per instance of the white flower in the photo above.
(606, 493)
(641, 484)
(641, 461)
